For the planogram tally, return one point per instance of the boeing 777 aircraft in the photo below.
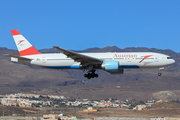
(114, 62)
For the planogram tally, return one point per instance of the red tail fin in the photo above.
(23, 45)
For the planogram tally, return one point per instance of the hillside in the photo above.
(134, 83)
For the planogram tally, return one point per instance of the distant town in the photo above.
(29, 101)
(55, 101)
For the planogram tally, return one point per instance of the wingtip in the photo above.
(6, 54)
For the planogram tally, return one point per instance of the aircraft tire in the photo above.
(159, 74)
(89, 76)
(85, 75)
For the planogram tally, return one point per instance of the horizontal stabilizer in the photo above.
(19, 57)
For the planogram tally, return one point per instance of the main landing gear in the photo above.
(91, 74)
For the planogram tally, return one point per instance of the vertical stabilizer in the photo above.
(23, 45)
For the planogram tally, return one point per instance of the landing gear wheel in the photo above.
(96, 75)
(159, 74)
(85, 75)
(91, 74)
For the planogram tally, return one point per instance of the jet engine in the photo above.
(112, 67)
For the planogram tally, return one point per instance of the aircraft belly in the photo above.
(128, 64)
(61, 64)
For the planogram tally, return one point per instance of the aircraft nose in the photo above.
(172, 61)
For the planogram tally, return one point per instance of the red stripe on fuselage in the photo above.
(15, 32)
(145, 57)
(29, 51)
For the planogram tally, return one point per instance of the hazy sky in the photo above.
(81, 24)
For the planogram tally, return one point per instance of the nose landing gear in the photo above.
(159, 74)
(91, 74)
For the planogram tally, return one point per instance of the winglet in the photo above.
(23, 45)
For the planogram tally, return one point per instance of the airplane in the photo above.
(112, 62)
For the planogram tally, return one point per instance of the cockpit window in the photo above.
(169, 57)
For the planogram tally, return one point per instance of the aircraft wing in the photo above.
(19, 57)
(85, 60)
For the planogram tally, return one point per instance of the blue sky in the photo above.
(82, 24)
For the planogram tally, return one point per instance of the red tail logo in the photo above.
(21, 41)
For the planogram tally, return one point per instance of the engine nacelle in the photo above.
(120, 71)
(112, 67)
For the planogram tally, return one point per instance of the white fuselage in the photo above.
(127, 60)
